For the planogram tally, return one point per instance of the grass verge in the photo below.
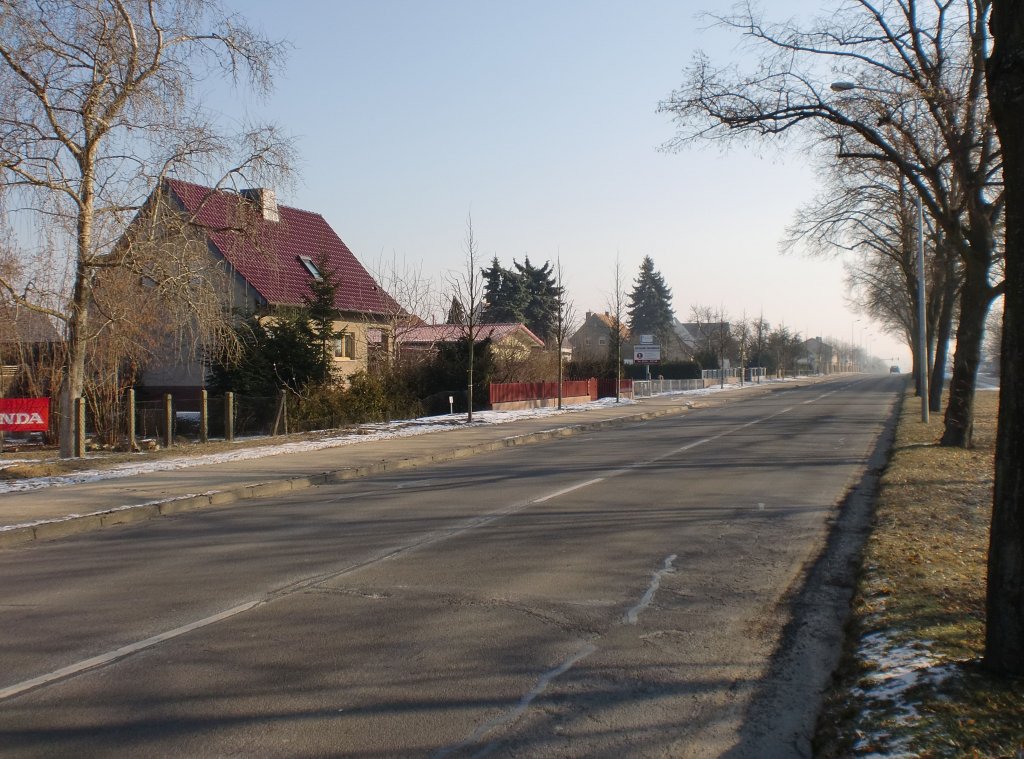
(910, 683)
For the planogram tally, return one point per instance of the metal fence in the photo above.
(648, 388)
(750, 373)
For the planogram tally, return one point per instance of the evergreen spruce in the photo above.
(505, 295)
(541, 308)
(322, 313)
(650, 304)
(456, 312)
(281, 352)
(524, 294)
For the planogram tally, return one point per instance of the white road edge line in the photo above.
(120, 653)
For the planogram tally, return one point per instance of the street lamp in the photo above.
(853, 344)
(922, 332)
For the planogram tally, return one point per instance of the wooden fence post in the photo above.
(132, 443)
(229, 416)
(78, 427)
(168, 420)
(282, 413)
(204, 417)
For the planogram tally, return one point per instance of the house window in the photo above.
(377, 339)
(600, 341)
(345, 346)
(311, 267)
(586, 341)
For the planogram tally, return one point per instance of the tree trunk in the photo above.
(469, 374)
(975, 298)
(78, 324)
(1004, 637)
(944, 328)
(915, 354)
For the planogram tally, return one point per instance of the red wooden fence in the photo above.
(509, 392)
(606, 388)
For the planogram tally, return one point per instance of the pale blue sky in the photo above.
(539, 118)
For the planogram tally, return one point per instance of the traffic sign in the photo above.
(646, 354)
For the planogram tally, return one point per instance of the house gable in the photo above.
(595, 336)
(273, 256)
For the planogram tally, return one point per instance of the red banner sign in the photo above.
(24, 414)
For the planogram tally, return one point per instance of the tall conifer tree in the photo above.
(650, 304)
(542, 293)
(322, 312)
(505, 295)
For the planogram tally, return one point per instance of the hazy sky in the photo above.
(539, 119)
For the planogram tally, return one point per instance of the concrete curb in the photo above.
(80, 523)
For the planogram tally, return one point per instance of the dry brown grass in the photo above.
(922, 594)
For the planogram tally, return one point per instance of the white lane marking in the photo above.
(524, 703)
(569, 489)
(437, 537)
(297, 587)
(634, 613)
(120, 653)
(823, 395)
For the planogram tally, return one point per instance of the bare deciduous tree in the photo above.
(915, 99)
(741, 331)
(564, 323)
(617, 309)
(97, 105)
(715, 337)
(868, 212)
(414, 294)
(466, 286)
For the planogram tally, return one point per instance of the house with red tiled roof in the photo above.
(510, 338)
(269, 254)
(512, 345)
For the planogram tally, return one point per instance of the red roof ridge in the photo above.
(269, 255)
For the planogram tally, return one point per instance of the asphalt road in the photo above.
(621, 593)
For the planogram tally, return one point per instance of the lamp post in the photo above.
(922, 331)
(853, 344)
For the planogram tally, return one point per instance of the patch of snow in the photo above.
(11, 462)
(897, 668)
(364, 433)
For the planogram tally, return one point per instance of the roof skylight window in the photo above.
(311, 267)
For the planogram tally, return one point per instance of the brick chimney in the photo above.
(265, 200)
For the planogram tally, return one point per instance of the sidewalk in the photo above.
(59, 510)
